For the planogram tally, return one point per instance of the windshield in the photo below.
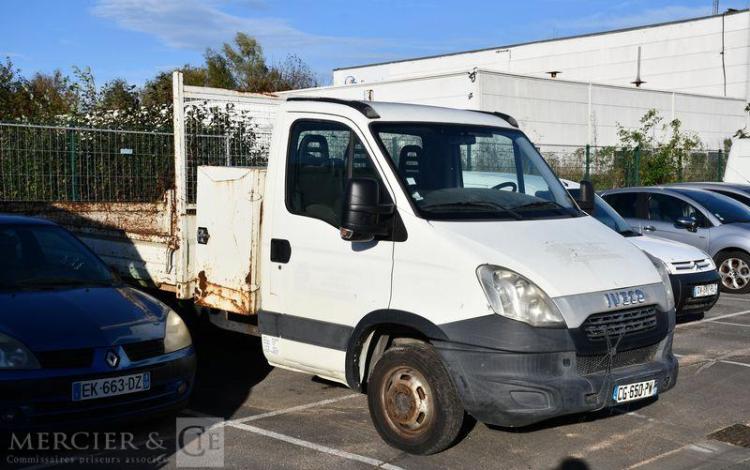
(472, 172)
(41, 256)
(605, 214)
(727, 210)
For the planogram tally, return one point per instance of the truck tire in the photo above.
(413, 402)
(734, 269)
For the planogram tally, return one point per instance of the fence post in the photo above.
(73, 165)
(637, 167)
(680, 175)
(587, 173)
(719, 165)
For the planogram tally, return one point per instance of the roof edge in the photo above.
(542, 41)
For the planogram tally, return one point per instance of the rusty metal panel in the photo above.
(228, 217)
(137, 239)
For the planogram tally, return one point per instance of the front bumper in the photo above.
(45, 401)
(526, 375)
(683, 284)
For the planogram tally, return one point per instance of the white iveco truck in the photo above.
(370, 259)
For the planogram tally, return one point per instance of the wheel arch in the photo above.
(373, 333)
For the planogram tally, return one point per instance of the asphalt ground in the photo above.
(272, 418)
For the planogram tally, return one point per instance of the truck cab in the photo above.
(431, 258)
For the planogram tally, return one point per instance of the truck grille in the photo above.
(622, 322)
(65, 359)
(144, 349)
(590, 364)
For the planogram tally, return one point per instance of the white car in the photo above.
(695, 280)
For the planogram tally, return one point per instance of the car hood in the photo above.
(667, 250)
(58, 319)
(564, 257)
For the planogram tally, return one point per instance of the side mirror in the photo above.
(586, 197)
(688, 223)
(360, 221)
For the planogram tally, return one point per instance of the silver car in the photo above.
(707, 220)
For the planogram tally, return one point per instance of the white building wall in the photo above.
(556, 112)
(681, 56)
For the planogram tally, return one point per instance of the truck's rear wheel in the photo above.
(413, 402)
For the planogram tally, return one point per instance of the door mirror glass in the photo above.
(362, 211)
(688, 223)
(586, 196)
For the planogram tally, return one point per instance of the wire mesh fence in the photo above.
(49, 163)
(614, 167)
(224, 131)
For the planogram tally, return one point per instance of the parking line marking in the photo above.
(314, 446)
(732, 324)
(292, 409)
(734, 362)
(713, 319)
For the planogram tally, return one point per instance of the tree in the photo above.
(661, 161)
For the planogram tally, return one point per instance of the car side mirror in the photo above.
(586, 196)
(360, 220)
(688, 223)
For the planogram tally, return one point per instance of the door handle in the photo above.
(649, 228)
(281, 250)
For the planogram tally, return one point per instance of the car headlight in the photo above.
(14, 355)
(512, 295)
(176, 336)
(663, 270)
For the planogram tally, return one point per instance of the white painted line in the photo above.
(292, 409)
(734, 362)
(713, 319)
(313, 446)
(746, 325)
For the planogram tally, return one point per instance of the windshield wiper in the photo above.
(477, 204)
(630, 233)
(536, 204)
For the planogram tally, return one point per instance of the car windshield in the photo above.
(727, 210)
(471, 172)
(45, 256)
(605, 214)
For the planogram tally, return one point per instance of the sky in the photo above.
(136, 39)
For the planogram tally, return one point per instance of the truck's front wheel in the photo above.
(413, 402)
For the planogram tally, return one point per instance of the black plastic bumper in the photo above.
(541, 373)
(46, 402)
(683, 284)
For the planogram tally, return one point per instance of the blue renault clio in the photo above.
(76, 344)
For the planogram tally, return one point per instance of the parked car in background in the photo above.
(714, 223)
(695, 281)
(76, 344)
(737, 191)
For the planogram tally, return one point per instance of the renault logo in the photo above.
(112, 358)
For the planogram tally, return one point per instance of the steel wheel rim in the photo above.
(735, 273)
(407, 401)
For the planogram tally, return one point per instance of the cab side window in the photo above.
(321, 157)
(664, 208)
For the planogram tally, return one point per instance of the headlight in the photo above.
(512, 295)
(663, 270)
(14, 355)
(177, 335)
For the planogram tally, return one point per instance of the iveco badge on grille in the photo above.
(624, 298)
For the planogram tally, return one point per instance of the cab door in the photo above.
(321, 285)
